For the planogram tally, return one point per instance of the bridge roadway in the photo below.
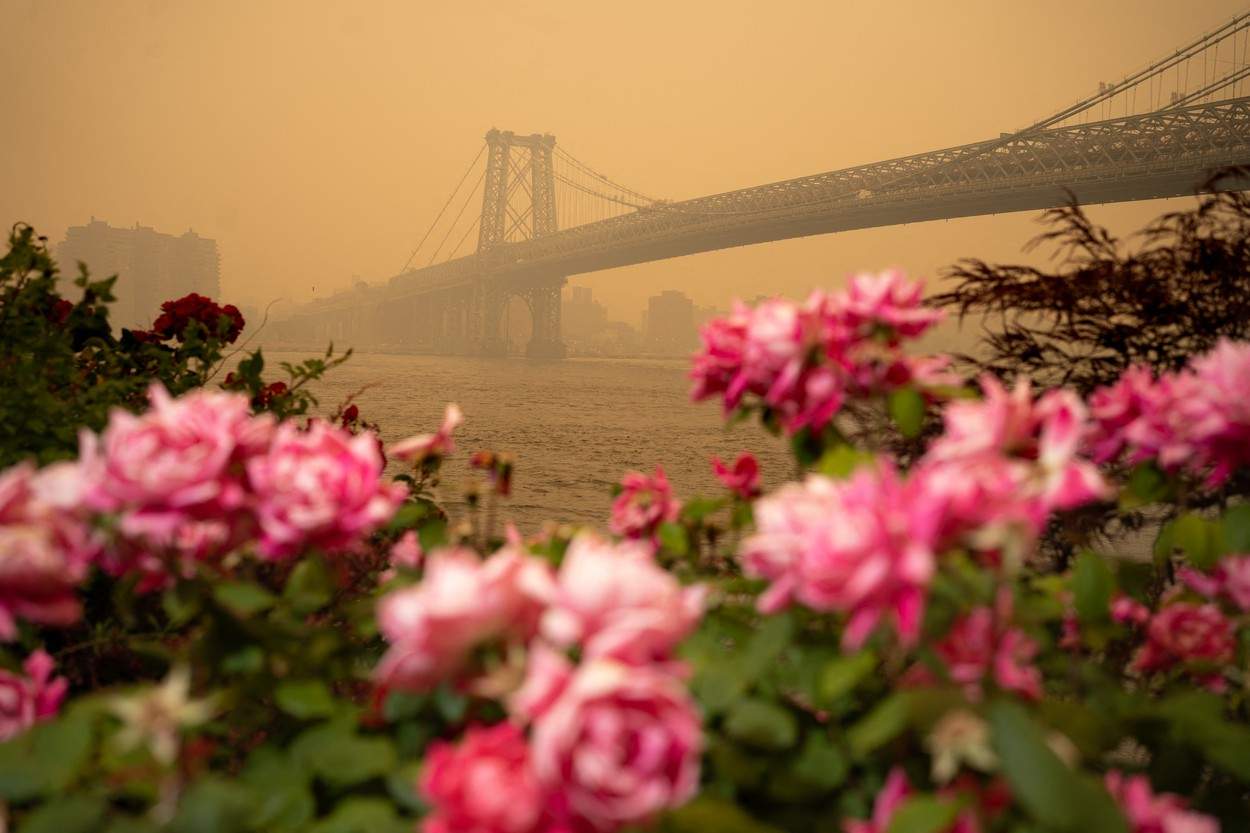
(457, 306)
(1162, 154)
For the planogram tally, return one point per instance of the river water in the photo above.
(574, 426)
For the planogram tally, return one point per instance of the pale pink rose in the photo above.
(1219, 419)
(643, 504)
(1114, 409)
(547, 674)
(887, 305)
(483, 784)
(614, 601)
(892, 795)
(621, 744)
(862, 547)
(743, 479)
(1151, 812)
(1234, 578)
(407, 552)
(461, 603)
(320, 488)
(439, 444)
(1199, 636)
(26, 700)
(46, 546)
(174, 476)
(1067, 481)
(1005, 463)
(180, 455)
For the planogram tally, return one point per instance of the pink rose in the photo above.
(46, 546)
(643, 504)
(621, 744)
(26, 700)
(320, 488)
(461, 603)
(614, 601)
(1219, 419)
(1151, 812)
(892, 795)
(743, 479)
(975, 648)
(861, 546)
(484, 784)
(439, 444)
(406, 552)
(887, 304)
(175, 477)
(1188, 634)
(1128, 611)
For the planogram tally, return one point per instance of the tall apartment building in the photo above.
(152, 267)
(668, 323)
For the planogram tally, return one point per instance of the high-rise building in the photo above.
(152, 267)
(670, 326)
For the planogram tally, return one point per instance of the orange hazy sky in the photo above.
(316, 140)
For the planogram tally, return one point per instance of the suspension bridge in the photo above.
(545, 215)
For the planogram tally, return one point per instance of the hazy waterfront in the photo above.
(574, 426)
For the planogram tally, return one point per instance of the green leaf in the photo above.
(1092, 584)
(362, 815)
(181, 603)
(838, 462)
(907, 409)
(46, 759)
(1196, 720)
(697, 509)
(243, 599)
(1146, 484)
(879, 726)
(213, 805)
(284, 798)
(706, 814)
(841, 675)
(1053, 794)
(67, 814)
(342, 758)
(673, 538)
(432, 534)
(718, 686)
(767, 643)
(820, 764)
(309, 588)
(762, 724)
(923, 814)
(1195, 536)
(1236, 523)
(304, 699)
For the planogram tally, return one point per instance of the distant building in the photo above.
(583, 320)
(152, 267)
(669, 323)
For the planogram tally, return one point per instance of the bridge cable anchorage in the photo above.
(467, 199)
(450, 197)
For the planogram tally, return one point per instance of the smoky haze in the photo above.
(315, 141)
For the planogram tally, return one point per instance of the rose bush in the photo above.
(222, 618)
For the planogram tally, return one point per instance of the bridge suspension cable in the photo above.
(467, 199)
(1152, 83)
(443, 210)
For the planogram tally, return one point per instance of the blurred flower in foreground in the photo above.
(439, 444)
(154, 716)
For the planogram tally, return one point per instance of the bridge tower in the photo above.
(518, 167)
